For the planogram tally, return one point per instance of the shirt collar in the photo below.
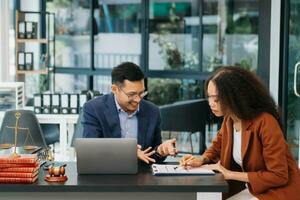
(121, 109)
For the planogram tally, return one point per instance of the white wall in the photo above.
(4, 40)
(274, 49)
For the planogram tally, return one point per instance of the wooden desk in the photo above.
(143, 186)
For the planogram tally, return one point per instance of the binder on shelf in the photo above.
(21, 30)
(29, 60)
(64, 103)
(31, 30)
(34, 30)
(28, 31)
(21, 60)
(46, 103)
(37, 103)
(82, 99)
(74, 103)
(55, 103)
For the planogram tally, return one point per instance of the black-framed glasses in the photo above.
(133, 95)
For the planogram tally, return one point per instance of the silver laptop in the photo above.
(106, 155)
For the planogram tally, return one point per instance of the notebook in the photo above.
(106, 155)
(161, 169)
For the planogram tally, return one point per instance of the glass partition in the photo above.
(72, 20)
(117, 37)
(230, 34)
(174, 35)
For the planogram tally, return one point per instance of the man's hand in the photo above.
(145, 155)
(168, 147)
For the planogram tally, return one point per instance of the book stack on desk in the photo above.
(22, 169)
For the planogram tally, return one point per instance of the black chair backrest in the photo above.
(191, 116)
(27, 120)
(78, 132)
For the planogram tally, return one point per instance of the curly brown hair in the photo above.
(243, 93)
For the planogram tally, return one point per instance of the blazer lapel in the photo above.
(142, 126)
(246, 136)
(112, 117)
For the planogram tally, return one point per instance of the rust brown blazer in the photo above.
(272, 171)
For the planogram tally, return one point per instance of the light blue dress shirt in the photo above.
(128, 123)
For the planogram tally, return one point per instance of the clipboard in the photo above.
(173, 170)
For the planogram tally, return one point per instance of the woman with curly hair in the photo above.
(250, 149)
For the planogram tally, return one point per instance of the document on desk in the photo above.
(165, 170)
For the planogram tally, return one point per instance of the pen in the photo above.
(188, 160)
(174, 150)
(178, 168)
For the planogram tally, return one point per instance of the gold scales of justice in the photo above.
(28, 140)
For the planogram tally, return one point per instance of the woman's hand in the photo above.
(218, 167)
(191, 161)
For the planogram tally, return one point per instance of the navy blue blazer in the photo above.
(101, 120)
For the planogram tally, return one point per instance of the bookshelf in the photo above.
(35, 46)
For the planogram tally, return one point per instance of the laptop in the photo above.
(106, 155)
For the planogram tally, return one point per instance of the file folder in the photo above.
(46, 103)
(29, 61)
(37, 103)
(55, 103)
(74, 103)
(29, 30)
(21, 31)
(171, 170)
(21, 60)
(64, 103)
(82, 99)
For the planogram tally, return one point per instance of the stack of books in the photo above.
(22, 169)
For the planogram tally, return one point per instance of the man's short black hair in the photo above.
(126, 71)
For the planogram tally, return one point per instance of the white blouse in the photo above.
(237, 147)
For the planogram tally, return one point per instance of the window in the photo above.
(177, 43)
(117, 37)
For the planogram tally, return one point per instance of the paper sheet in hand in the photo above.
(160, 169)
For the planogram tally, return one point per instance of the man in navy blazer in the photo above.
(125, 114)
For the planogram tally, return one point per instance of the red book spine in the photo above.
(19, 160)
(18, 174)
(17, 180)
(6, 165)
(20, 169)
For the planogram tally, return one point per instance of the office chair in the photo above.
(186, 116)
(27, 120)
(78, 132)
(50, 131)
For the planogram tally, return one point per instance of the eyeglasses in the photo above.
(133, 95)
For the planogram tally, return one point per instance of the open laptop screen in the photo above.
(106, 155)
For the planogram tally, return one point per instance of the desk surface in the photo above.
(144, 181)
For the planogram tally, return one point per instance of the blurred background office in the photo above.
(177, 43)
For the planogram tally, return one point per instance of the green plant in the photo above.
(43, 83)
(163, 91)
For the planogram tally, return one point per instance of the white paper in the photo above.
(161, 169)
